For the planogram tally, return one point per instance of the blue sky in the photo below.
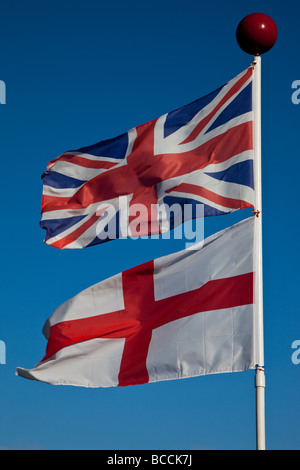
(79, 72)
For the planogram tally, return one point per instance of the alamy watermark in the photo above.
(122, 219)
(2, 352)
(2, 92)
(296, 94)
(296, 353)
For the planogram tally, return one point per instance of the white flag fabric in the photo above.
(187, 314)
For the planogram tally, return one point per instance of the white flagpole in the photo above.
(258, 283)
(257, 34)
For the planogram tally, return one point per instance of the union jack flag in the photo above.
(201, 153)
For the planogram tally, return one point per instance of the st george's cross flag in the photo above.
(186, 314)
(199, 154)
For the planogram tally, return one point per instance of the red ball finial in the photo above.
(256, 33)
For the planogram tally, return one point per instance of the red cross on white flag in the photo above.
(186, 314)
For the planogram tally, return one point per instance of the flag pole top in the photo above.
(256, 33)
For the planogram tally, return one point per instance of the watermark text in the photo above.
(296, 353)
(2, 92)
(296, 94)
(2, 352)
(121, 219)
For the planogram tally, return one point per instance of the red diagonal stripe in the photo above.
(87, 163)
(228, 95)
(76, 233)
(211, 196)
